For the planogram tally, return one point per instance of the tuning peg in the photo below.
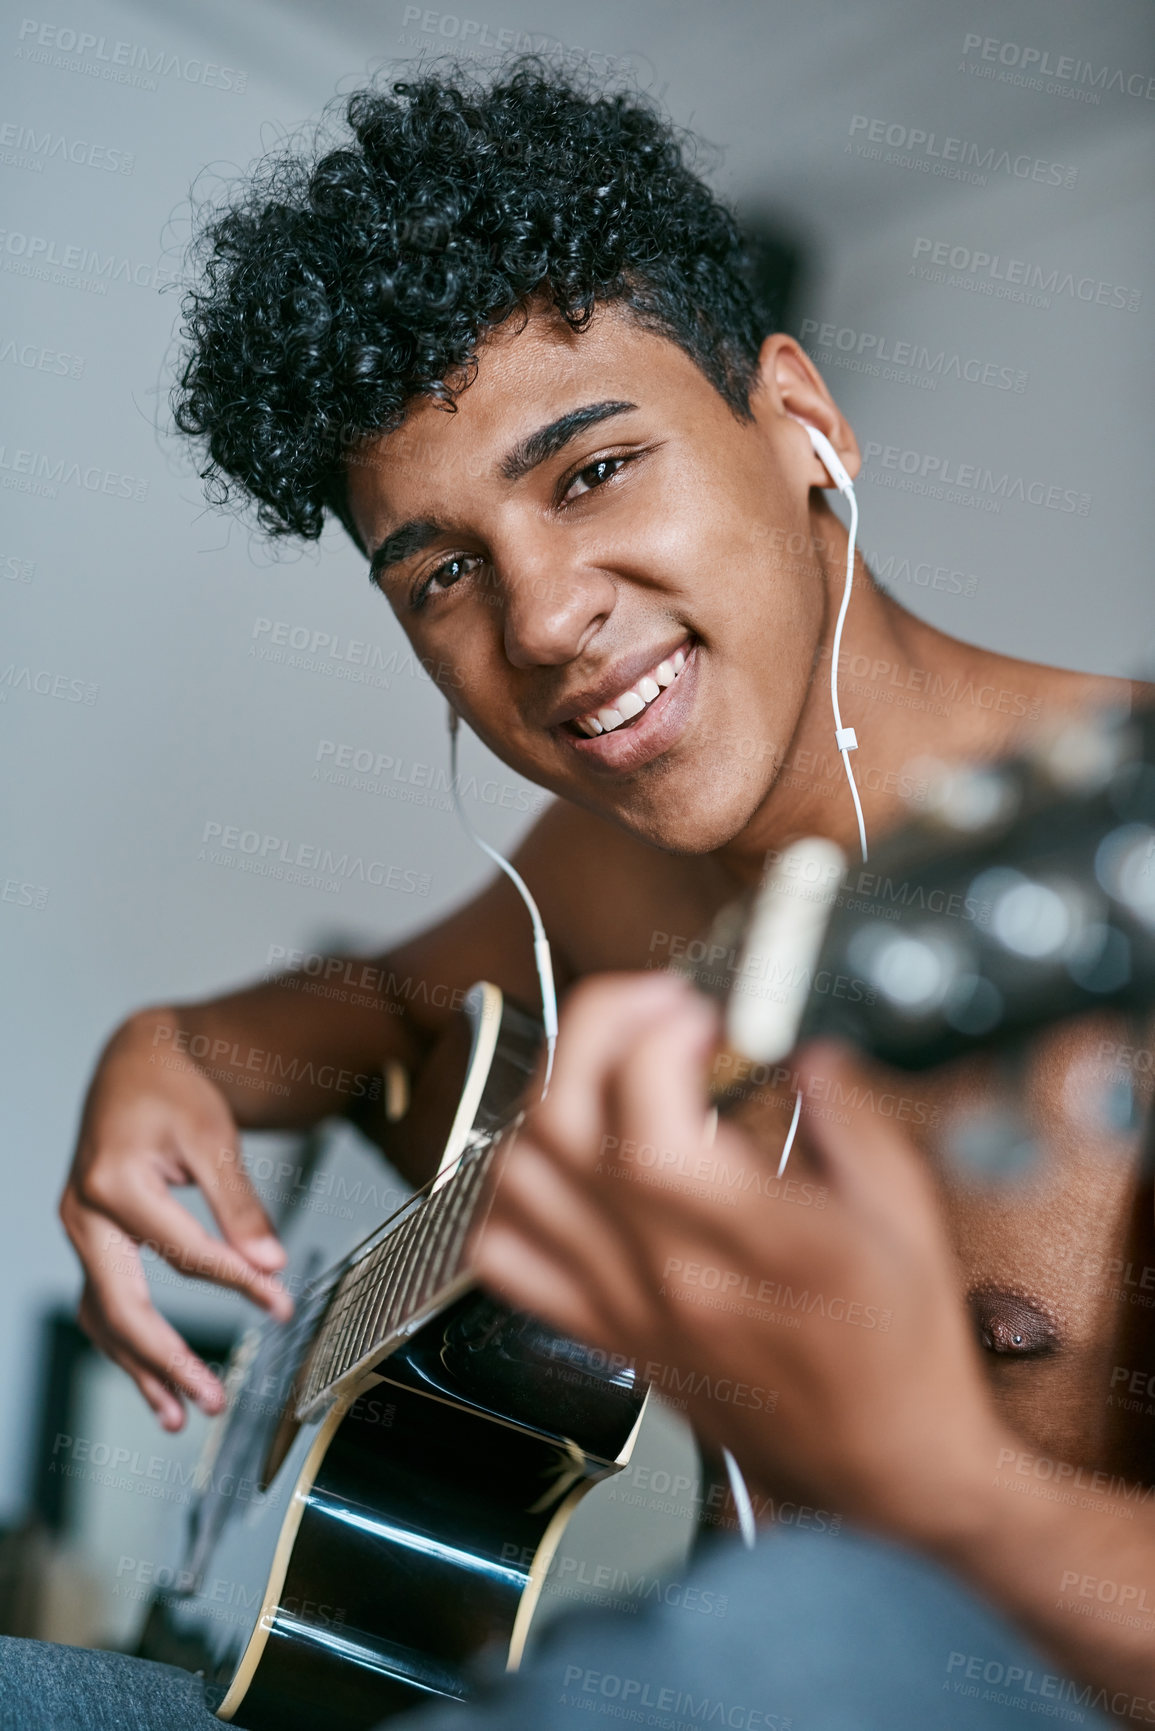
(1080, 754)
(968, 798)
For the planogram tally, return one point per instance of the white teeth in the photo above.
(631, 703)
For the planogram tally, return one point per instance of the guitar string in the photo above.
(302, 1324)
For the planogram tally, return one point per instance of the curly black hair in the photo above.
(336, 290)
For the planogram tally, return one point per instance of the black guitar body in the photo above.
(401, 1535)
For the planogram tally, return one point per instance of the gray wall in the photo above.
(149, 709)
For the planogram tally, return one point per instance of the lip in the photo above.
(660, 725)
(621, 677)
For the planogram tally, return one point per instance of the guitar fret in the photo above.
(462, 1203)
(398, 1279)
(398, 1308)
(391, 1252)
(459, 1201)
(442, 1228)
(348, 1317)
(465, 1220)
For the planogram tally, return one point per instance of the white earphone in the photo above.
(845, 738)
(542, 955)
(847, 741)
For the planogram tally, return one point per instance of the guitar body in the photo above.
(356, 1564)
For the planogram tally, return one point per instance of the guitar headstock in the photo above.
(1021, 891)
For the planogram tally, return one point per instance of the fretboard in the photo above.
(409, 1274)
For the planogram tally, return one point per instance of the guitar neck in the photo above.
(416, 1269)
(1024, 892)
(417, 1263)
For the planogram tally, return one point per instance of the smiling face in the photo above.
(595, 543)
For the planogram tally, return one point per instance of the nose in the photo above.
(552, 610)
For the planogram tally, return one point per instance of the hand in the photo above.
(617, 1223)
(148, 1125)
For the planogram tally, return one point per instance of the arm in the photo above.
(849, 1312)
(174, 1083)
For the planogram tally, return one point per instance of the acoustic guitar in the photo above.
(386, 1455)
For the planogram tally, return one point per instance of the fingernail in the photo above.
(266, 1250)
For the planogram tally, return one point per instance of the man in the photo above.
(504, 337)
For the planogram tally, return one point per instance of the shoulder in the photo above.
(609, 899)
(1032, 693)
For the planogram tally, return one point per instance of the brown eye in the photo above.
(1011, 1325)
(594, 475)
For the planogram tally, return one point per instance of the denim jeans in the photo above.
(806, 1632)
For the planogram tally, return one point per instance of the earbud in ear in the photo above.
(827, 456)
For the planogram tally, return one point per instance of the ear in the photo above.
(790, 384)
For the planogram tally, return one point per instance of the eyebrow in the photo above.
(536, 448)
(403, 543)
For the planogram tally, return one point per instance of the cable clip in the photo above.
(846, 739)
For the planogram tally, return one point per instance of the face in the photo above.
(596, 547)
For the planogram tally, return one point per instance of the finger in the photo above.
(867, 1156)
(118, 1313)
(525, 1276)
(573, 1225)
(656, 1091)
(601, 1019)
(152, 1215)
(237, 1209)
(167, 1405)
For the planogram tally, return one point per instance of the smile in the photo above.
(630, 703)
(643, 722)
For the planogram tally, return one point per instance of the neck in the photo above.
(909, 691)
